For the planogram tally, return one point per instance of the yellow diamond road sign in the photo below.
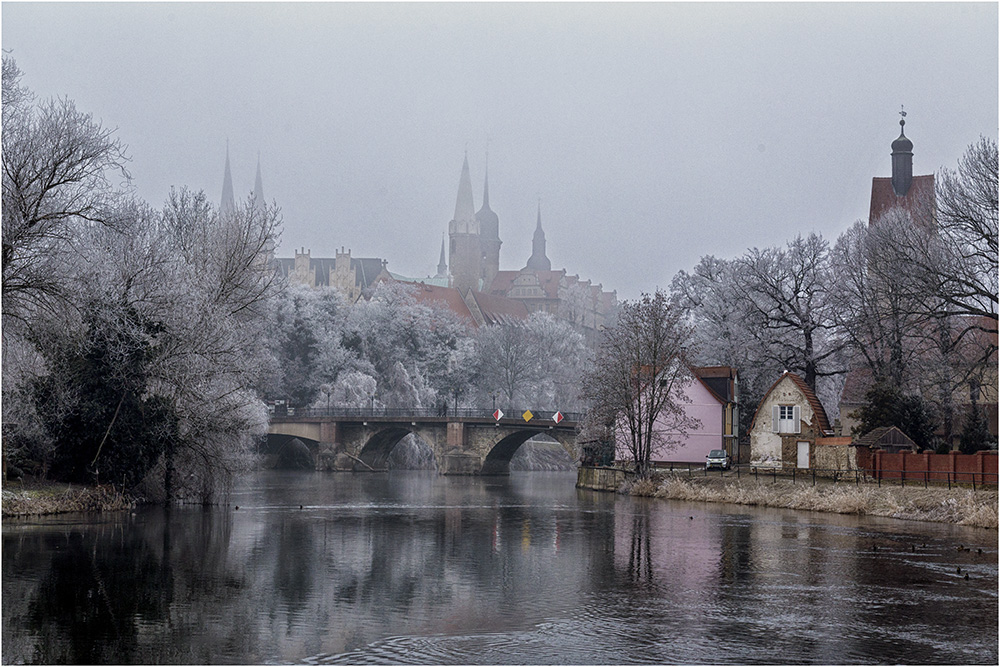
(527, 415)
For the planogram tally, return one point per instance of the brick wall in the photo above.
(978, 468)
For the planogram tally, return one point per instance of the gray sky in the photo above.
(654, 134)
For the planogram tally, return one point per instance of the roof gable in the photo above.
(823, 422)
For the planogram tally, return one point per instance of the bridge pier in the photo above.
(457, 459)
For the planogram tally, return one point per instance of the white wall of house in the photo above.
(765, 443)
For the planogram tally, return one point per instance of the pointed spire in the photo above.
(538, 261)
(442, 263)
(258, 186)
(486, 183)
(465, 210)
(228, 204)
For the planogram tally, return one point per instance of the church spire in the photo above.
(465, 210)
(538, 261)
(442, 263)
(489, 230)
(228, 204)
(258, 188)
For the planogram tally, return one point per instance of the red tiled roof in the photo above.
(856, 384)
(450, 296)
(919, 200)
(499, 309)
(502, 282)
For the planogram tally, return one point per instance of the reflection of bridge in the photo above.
(464, 442)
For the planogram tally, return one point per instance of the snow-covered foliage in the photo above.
(137, 331)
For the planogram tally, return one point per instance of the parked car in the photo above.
(717, 458)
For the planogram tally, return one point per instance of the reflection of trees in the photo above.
(640, 558)
(403, 555)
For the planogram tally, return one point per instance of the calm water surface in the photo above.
(415, 568)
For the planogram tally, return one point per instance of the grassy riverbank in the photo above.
(959, 506)
(26, 499)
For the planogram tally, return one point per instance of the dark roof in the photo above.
(719, 380)
(366, 269)
(885, 435)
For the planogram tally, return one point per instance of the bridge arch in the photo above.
(375, 452)
(497, 461)
(281, 450)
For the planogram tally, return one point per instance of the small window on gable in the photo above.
(786, 419)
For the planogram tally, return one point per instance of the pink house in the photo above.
(713, 401)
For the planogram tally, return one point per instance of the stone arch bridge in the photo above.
(464, 442)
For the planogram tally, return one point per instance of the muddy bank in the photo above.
(35, 499)
(959, 506)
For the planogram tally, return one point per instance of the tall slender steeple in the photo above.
(465, 256)
(902, 160)
(258, 188)
(538, 261)
(465, 209)
(489, 234)
(228, 204)
(442, 264)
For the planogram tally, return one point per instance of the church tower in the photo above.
(538, 261)
(902, 162)
(465, 254)
(489, 230)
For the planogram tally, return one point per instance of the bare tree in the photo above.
(967, 220)
(57, 166)
(877, 310)
(638, 377)
(791, 313)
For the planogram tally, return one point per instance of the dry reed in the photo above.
(959, 506)
(57, 500)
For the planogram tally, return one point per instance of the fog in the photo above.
(649, 134)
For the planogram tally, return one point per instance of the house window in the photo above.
(785, 419)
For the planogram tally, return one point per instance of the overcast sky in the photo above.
(653, 134)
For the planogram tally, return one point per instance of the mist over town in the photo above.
(500, 333)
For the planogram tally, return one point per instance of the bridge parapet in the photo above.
(468, 443)
(463, 414)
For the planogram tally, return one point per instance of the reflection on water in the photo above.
(418, 568)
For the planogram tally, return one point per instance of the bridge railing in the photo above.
(467, 413)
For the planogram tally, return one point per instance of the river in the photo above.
(412, 567)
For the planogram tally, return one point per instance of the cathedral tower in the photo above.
(538, 261)
(489, 230)
(465, 254)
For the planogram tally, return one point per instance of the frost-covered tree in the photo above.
(791, 312)
(636, 384)
(877, 310)
(532, 364)
(59, 176)
(723, 327)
